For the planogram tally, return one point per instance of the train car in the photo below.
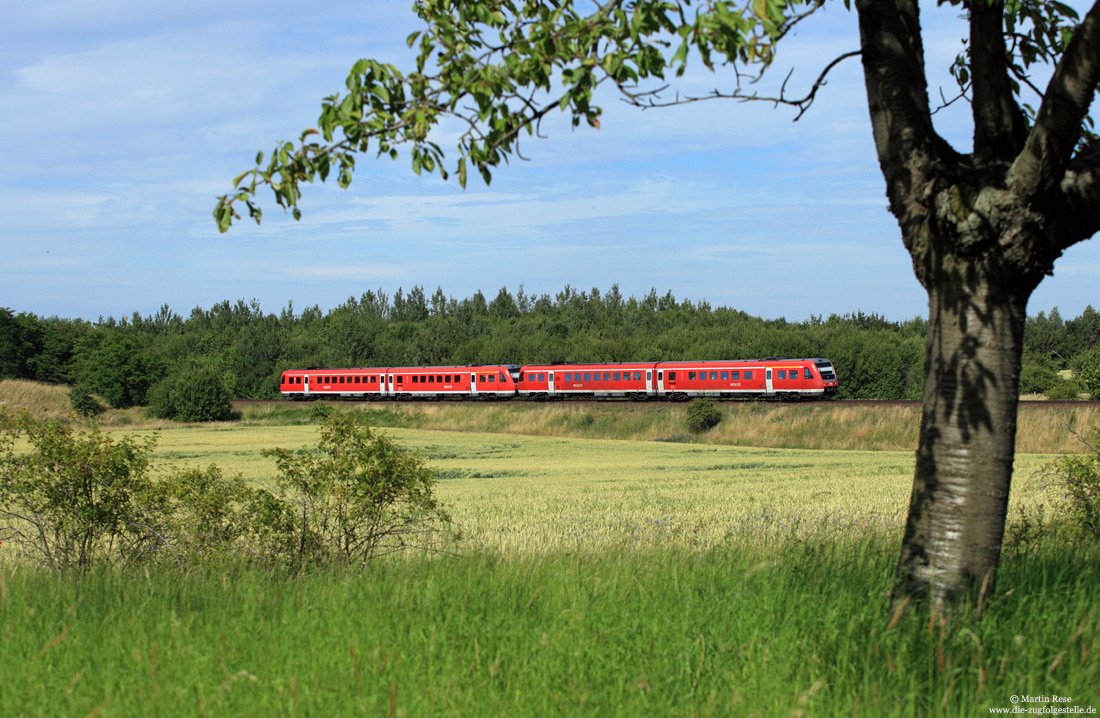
(615, 380)
(772, 378)
(441, 382)
(333, 383)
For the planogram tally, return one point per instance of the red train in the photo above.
(771, 378)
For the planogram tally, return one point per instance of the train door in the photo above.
(387, 385)
(551, 390)
(473, 384)
(305, 385)
(650, 389)
(768, 382)
(661, 382)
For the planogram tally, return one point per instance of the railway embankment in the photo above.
(1043, 427)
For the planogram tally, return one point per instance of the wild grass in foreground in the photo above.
(803, 629)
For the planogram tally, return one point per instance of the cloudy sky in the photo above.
(123, 120)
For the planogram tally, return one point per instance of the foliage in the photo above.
(1088, 371)
(205, 515)
(83, 403)
(116, 366)
(500, 69)
(357, 495)
(197, 393)
(1037, 376)
(876, 358)
(702, 415)
(75, 499)
(1080, 476)
(1063, 390)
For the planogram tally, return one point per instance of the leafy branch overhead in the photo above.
(497, 68)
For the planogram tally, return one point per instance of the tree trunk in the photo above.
(959, 502)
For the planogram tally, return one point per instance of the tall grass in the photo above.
(1042, 429)
(802, 629)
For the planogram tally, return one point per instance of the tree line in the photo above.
(236, 350)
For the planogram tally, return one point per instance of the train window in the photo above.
(607, 376)
(638, 375)
(568, 377)
(615, 376)
(588, 376)
(806, 373)
(492, 377)
(502, 379)
(521, 376)
(748, 374)
(782, 374)
(714, 376)
(735, 375)
(725, 376)
(672, 376)
(691, 375)
(542, 377)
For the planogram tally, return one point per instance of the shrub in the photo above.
(117, 367)
(83, 403)
(321, 410)
(1088, 372)
(79, 499)
(357, 495)
(1037, 377)
(193, 394)
(1063, 390)
(74, 499)
(1080, 475)
(703, 415)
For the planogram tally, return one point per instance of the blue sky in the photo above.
(123, 121)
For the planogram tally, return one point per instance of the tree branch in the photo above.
(802, 103)
(909, 149)
(1041, 166)
(999, 127)
(1081, 190)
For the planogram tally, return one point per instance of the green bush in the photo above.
(1063, 390)
(79, 499)
(117, 367)
(197, 393)
(703, 415)
(74, 499)
(83, 403)
(1080, 475)
(357, 495)
(1088, 372)
(1037, 377)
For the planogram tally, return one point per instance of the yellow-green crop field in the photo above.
(522, 494)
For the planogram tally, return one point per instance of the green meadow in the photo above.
(594, 576)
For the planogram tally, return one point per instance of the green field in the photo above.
(595, 577)
(518, 494)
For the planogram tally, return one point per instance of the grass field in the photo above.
(596, 577)
(513, 493)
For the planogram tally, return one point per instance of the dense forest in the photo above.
(239, 351)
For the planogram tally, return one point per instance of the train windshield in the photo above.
(826, 369)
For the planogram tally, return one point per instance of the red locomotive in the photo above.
(771, 378)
